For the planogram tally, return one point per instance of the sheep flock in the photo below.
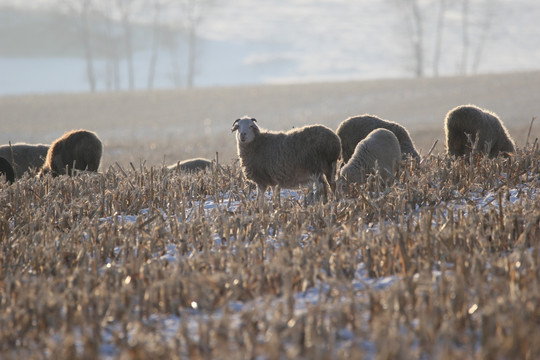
(362, 146)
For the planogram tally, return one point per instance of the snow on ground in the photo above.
(168, 326)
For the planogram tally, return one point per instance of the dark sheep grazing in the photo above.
(288, 159)
(24, 157)
(6, 170)
(355, 129)
(469, 126)
(191, 165)
(77, 149)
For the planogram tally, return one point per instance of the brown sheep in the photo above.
(6, 170)
(287, 159)
(380, 149)
(191, 165)
(24, 157)
(77, 149)
(355, 129)
(469, 126)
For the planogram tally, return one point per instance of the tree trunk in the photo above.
(192, 57)
(113, 74)
(486, 27)
(418, 41)
(129, 51)
(465, 36)
(155, 45)
(85, 33)
(438, 38)
(175, 74)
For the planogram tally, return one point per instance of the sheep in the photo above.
(379, 149)
(24, 157)
(354, 129)
(6, 170)
(191, 165)
(77, 149)
(287, 159)
(471, 128)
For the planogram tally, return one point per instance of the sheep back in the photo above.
(354, 129)
(290, 159)
(381, 146)
(80, 147)
(192, 165)
(6, 170)
(482, 126)
(24, 157)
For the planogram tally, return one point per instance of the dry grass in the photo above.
(139, 262)
(134, 263)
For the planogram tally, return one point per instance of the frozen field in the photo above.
(137, 261)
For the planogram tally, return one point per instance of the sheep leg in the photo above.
(321, 187)
(276, 192)
(331, 176)
(328, 180)
(260, 195)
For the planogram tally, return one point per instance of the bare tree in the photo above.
(438, 37)
(125, 7)
(192, 13)
(169, 40)
(111, 47)
(156, 35)
(489, 10)
(85, 32)
(83, 10)
(418, 38)
(415, 33)
(465, 36)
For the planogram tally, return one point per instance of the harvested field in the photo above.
(163, 127)
(138, 261)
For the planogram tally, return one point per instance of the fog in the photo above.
(90, 45)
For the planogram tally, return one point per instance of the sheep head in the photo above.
(247, 129)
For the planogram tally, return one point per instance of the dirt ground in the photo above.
(162, 127)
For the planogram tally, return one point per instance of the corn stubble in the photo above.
(83, 273)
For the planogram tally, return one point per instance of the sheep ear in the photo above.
(254, 120)
(235, 125)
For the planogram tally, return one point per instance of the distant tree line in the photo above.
(419, 12)
(109, 32)
(106, 27)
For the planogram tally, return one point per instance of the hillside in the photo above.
(166, 126)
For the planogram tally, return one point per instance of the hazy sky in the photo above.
(243, 41)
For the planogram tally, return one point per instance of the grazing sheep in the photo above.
(191, 165)
(469, 126)
(6, 170)
(287, 159)
(379, 149)
(24, 157)
(354, 129)
(79, 149)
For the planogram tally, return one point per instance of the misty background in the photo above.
(116, 45)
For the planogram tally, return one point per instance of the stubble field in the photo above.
(138, 262)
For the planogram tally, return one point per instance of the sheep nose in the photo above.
(243, 136)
